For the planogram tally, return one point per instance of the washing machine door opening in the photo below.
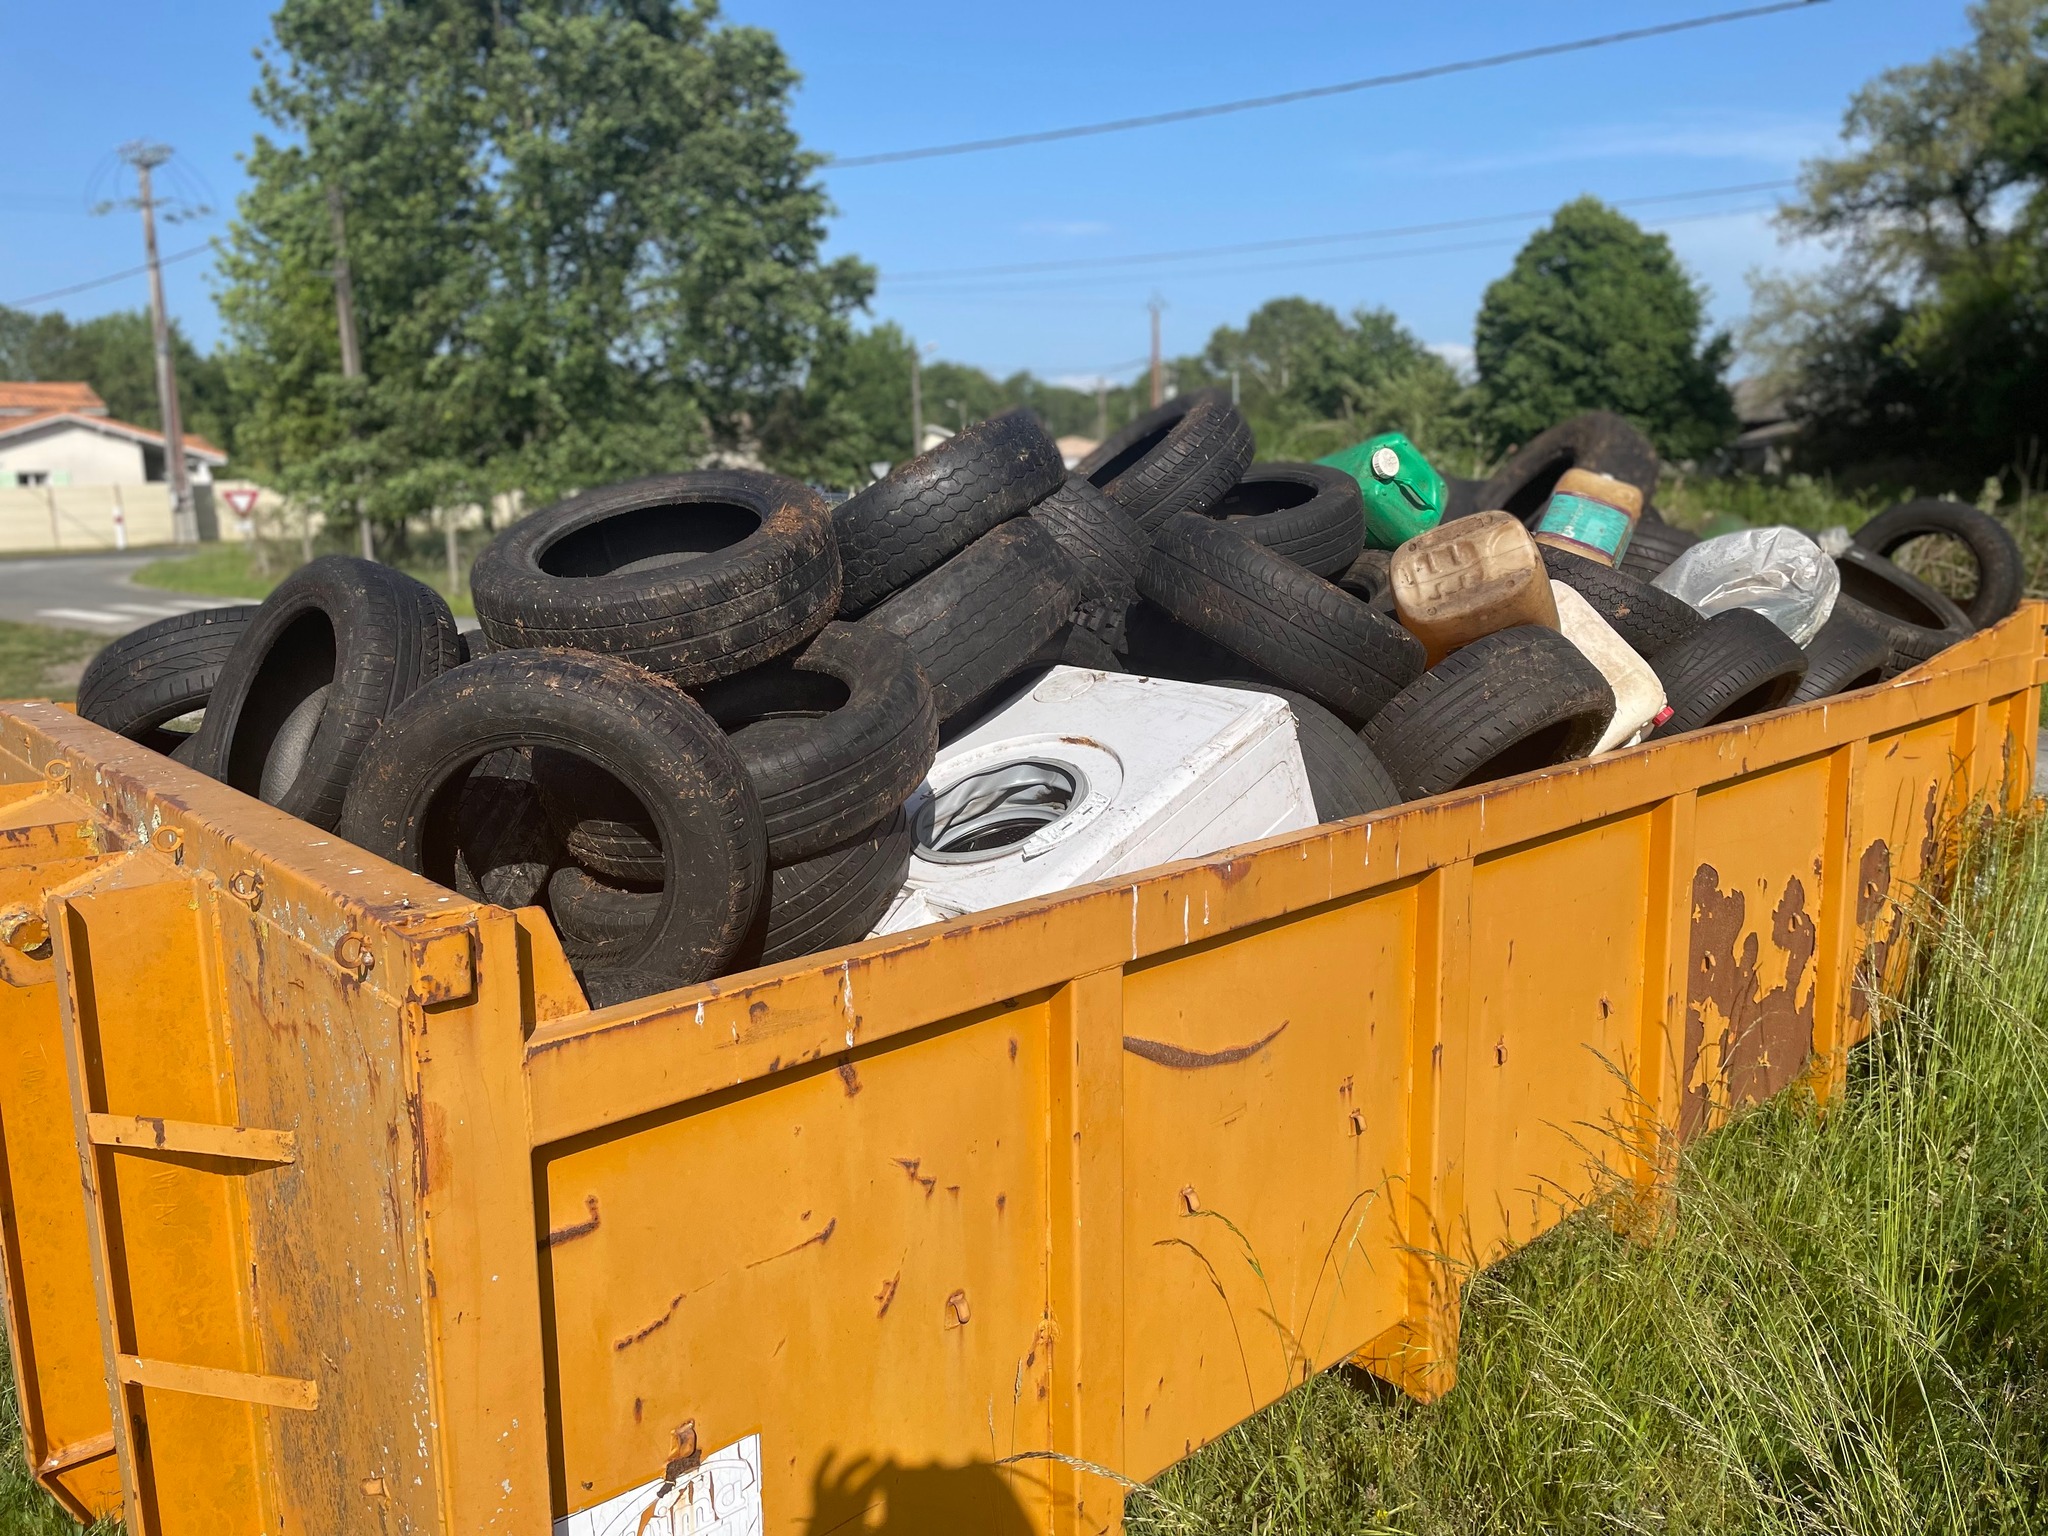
(987, 814)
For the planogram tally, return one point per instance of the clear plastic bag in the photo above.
(1779, 572)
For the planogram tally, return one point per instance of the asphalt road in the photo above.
(90, 592)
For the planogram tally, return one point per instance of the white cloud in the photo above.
(1779, 143)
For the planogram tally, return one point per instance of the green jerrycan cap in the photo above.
(1404, 495)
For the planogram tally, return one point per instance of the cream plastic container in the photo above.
(1638, 697)
(1468, 578)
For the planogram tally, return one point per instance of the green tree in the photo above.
(1925, 349)
(1312, 382)
(582, 238)
(1597, 314)
(116, 355)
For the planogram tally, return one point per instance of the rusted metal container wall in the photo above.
(383, 1230)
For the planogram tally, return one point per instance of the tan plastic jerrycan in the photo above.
(1468, 578)
(1592, 515)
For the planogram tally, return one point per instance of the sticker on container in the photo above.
(720, 1496)
(1584, 521)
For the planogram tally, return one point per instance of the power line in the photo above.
(101, 282)
(1356, 258)
(1316, 92)
(1191, 253)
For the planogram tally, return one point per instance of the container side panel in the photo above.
(59, 1372)
(1910, 781)
(145, 1017)
(1264, 1125)
(1752, 978)
(333, 1236)
(1558, 943)
(848, 1258)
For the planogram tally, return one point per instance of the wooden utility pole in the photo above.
(345, 319)
(145, 157)
(1158, 377)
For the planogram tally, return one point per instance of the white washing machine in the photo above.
(1089, 775)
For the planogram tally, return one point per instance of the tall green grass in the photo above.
(1843, 1328)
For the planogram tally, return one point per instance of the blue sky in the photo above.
(1727, 106)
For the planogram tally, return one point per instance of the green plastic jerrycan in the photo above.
(1404, 495)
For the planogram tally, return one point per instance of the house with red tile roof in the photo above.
(61, 434)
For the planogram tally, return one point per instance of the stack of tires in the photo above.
(700, 702)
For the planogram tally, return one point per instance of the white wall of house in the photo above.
(70, 454)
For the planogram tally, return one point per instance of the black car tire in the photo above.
(1916, 621)
(1293, 626)
(1180, 457)
(820, 903)
(1314, 514)
(1597, 440)
(1738, 664)
(1343, 775)
(504, 847)
(1516, 700)
(1370, 579)
(1847, 654)
(158, 672)
(693, 576)
(980, 618)
(335, 648)
(632, 726)
(1652, 548)
(2001, 571)
(1648, 618)
(1106, 546)
(927, 510)
(834, 737)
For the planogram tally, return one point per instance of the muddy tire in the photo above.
(1343, 775)
(2001, 572)
(1916, 621)
(924, 512)
(329, 655)
(980, 618)
(633, 727)
(1847, 654)
(1181, 457)
(1293, 626)
(158, 672)
(1738, 664)
(1598, 440)
(1652, 547)
(694, 576)
(1510, 702)
(1106, 547)
(834, 738)
(1314, 514)
(1650, 619)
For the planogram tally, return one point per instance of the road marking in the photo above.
(85, 615)
(148, 610)
(193, 604)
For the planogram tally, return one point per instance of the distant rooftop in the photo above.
(41, 399)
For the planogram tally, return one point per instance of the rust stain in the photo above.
(1181, 1059)
(822, 1235)
(910, 1165)
(583, 1228)
(661, 1322)
(1748, 1040)
(1873, 889)
(850, 1078)
(887, 1294)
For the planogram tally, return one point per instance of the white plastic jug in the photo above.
(1639, 700)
